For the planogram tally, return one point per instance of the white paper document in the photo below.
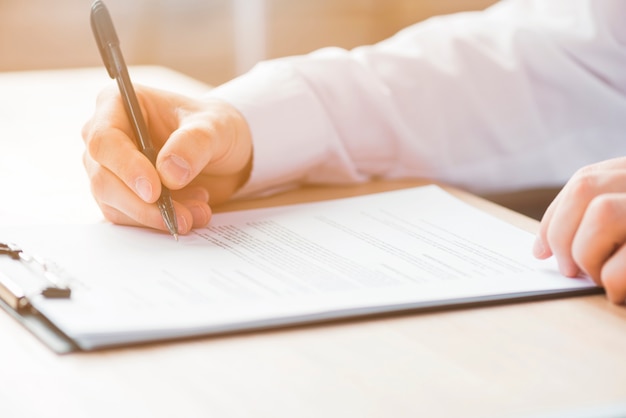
(392, 251)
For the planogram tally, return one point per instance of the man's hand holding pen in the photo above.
(204, 152)
(139, 145)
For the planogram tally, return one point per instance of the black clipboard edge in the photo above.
(60, 343)
(353, 315)
(43, 329)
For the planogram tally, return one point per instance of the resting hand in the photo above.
(204, 152)
(585, 227)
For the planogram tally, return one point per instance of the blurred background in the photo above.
(210, 40)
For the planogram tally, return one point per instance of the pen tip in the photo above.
(176, 237)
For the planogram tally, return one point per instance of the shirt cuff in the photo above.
(290, 133)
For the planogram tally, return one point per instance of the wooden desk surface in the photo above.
(548, 358)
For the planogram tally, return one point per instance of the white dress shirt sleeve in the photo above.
(516, 96)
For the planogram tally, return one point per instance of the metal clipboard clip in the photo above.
(29, 277)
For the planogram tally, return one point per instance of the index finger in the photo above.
(108, 138)
(109, 113)
(564, 216)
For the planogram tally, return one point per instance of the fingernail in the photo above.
(568, 270)
(177, 169)
(143, 188)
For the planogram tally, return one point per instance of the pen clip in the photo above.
(106, 37)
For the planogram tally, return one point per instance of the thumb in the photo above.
(215, 141)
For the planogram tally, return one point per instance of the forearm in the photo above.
(518, 96)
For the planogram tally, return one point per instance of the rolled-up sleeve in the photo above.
(519, 95)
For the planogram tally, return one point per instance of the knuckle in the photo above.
(205, 134)
(583, 184)
(110, 214)
(95, 144)
(604, 209)
(86, 131)
(107, 93)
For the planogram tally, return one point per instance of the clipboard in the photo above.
(23, 277)
(248, 270)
